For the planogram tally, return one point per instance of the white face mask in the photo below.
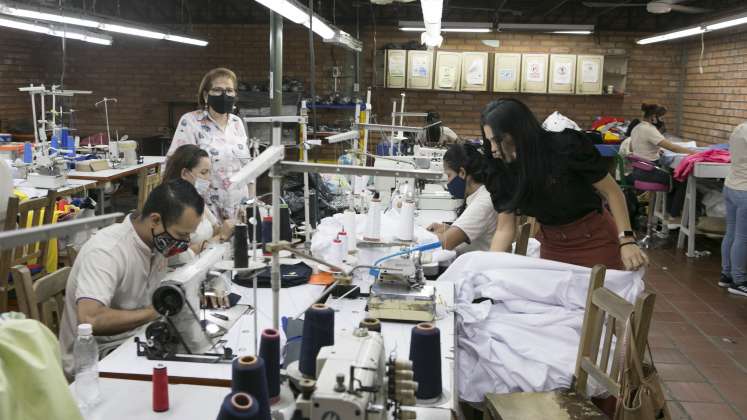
(202, 186)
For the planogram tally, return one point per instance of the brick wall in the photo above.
(144, 75)
(20, 64)
(716, 100)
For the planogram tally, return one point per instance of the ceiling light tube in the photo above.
(38, 15)
(728, 22)
(24, 26)
(185, 40)
(287, 9)
(671, 35)
(571, 32)
(543, 27)
(320, 28)
(46, 29)
(128, 30)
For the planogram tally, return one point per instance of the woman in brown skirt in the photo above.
(561, 180)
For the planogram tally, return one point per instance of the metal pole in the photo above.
(394, 122)
(36, 123)
(276, 70)
(106, 114)
(306, 210)
(367, 120)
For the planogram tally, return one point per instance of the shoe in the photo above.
(740, 290)
(725, 281)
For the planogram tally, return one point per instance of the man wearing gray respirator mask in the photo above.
(221, 134)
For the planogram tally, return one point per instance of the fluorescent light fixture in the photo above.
(346, 40)
(571, 32)
(84, 20)
(38, 15)
(728, 22)
(47, 29)
(287, 9)
(671, 35)
(128, 30)
(320, 28)
(465, 27)
(545, 27)
(185, 40)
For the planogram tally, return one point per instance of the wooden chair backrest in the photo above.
(23, 214)
(147, 184)
(522, 240)
(605, 316)
(43, 299)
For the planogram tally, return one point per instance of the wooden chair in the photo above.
(522, 240)
(43, 299)
(146, 184)
(22, 215)
(602, 307)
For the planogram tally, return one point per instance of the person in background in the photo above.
(734, 245)
(119, 268)
(437, 135)
(222, 135)
(561, 180)
(646, 139)
(192, 164)
(473, 230)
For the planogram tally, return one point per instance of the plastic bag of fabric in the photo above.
(558, 122)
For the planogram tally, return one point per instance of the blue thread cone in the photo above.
(269, 351)
(248, 375)
(318, 331)
(425, 353)
(239, 406)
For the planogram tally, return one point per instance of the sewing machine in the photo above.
(49, 172)
(356, 381)
(399, 291)
(180, 334)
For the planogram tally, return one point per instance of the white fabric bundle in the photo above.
(528, 339)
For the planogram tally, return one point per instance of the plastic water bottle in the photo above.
(86, 356)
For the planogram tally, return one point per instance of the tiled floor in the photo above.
(699, 336)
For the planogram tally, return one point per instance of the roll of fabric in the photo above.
(269, 351)
(248, 375)
(425, 354)
(240, 246)
(239, 406)
(318, 331)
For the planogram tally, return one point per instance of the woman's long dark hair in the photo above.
(468, 157)
(530, 171)
(185, 157)
(433, 134)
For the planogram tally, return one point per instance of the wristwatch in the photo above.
(626, 234)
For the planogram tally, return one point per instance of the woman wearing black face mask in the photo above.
(222, 135)
(646, 139)
(561, 180)
(465, 166)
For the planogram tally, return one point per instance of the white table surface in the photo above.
(126, 399)
(70, 184)
(110, 173)
(293, 300)
(396, 335)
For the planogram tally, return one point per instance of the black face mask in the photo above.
(222, 104)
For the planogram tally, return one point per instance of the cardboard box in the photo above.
(92, 165)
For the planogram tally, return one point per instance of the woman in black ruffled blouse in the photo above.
(561, 180)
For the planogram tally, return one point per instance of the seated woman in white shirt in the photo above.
(646, 139)
(192, 164)
(473, 230)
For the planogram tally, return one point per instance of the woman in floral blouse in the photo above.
(222, 135)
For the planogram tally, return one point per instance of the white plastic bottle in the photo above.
(86, 356)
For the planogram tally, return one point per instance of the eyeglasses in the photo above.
(220, 91)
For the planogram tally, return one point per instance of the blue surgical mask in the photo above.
(457, 187)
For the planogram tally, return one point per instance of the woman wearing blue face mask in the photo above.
(192, 164)
(464, 166)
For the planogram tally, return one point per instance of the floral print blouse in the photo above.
(228, 151)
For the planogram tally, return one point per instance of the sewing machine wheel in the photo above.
(161, 339)
(168, 299)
